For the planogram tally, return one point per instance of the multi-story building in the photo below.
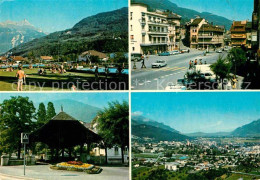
(174, 31)
(149, 31)
(249, 35)
(201, 34)
(238, 34)
(210, 36)
(255, 26)
(193, 29)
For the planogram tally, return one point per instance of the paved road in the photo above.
(44, 172)
(177, 66)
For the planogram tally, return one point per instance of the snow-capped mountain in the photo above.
(14, 33)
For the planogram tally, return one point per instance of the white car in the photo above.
(159, 64)
(175, 52)
(219, 51)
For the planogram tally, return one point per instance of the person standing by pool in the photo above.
(21, 78)
(96, 73)
(106, 71)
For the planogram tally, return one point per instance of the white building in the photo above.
(171, 166)
(149, 31)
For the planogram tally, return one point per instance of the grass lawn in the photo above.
(238, 176)
(145, 155)
(35, 82)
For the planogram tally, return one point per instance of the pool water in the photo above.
(102, 70)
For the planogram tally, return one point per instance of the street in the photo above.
(177, 65)
(44, 172)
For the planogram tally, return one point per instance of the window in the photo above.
(133, 48)
(131, 15)
(116, 151)
(150, 38)
(131, 27)
(132, 37)
(143, 38)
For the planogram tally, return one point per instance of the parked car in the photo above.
(159, 64)
(164, 54)
(185, 51)
(219, 51)
(175, 52)
(136, 57)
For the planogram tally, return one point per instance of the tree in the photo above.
(16, 116)
(41, 115)
(113, 125)
(50, 111)
(237, 59)
(222, 70)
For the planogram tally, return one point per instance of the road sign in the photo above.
(24, 138)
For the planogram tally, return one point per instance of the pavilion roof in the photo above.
(64, 131)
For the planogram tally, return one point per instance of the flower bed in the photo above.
(77, 166)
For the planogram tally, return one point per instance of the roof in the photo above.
(211, 28)
(94, 53)
(173, 16)
(17, 58)
(238, 26)
(196, 22)
(3, 58)
(47, 57)
(63, 117)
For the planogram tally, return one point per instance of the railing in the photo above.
(238, 36)
(156, 31)
(158, 22)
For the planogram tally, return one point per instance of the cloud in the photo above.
(137, 113)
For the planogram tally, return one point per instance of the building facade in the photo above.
(238, 34)
(202, 35)
(152, 32)
(210, 36)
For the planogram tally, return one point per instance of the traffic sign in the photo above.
(24, 138)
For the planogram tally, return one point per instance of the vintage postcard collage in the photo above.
(129, 89)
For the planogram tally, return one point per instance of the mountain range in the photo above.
(105, 32)
(14, 33)
(249, 130)
(143, 127)
(186, 13)
(82, 112)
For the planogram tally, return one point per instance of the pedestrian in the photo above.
(200, 61)
(195, 63)
(21, 78)
(96, 73)
(190, 65)
(234, 82)
(106, 71)
(143, 65)
(205, 62)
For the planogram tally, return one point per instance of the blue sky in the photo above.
(54, 15)
(198, 112)
(94, 99)
(231, 9)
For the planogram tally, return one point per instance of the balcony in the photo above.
(238, 36)
(158, 23)
(157, 32)
(201, 36)
(154, 43)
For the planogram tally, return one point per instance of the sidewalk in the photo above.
(44, 172)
